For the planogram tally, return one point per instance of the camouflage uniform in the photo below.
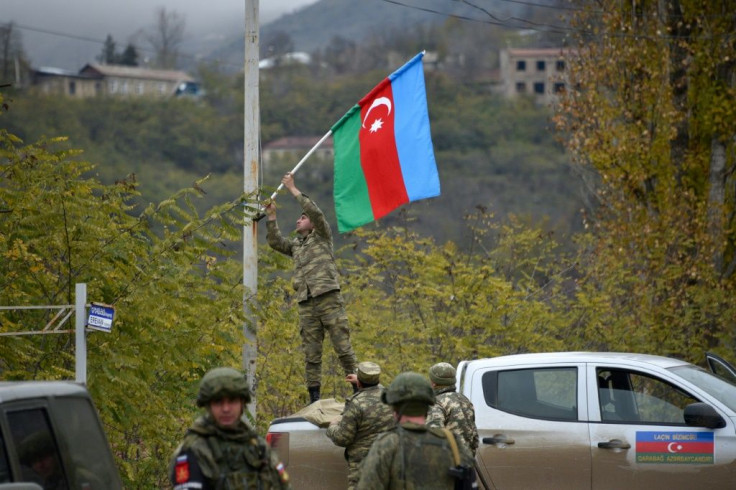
(234, 457)
(364, 417)
(451, 409)
(315, 281)
(454, 411)
(215, 458)
(411, 456)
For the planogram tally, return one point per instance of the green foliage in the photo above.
(178, 298)
(412, 303)
(654, 115)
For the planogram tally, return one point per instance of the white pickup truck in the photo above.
(573, 421)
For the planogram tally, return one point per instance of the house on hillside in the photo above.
(295, 147)
(95, 80)
(540, 72)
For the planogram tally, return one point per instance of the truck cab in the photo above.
(51, 436)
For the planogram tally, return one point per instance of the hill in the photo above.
(316, 27)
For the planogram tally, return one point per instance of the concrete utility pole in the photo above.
(251, 158)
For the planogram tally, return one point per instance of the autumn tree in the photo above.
(413, 302)
(165, 268)
(166, 37)
(650, 116)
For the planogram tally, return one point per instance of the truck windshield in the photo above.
(717, 387)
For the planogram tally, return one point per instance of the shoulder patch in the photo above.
(181, 469)
(283, 475)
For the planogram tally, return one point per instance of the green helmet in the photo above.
(409, 387)
(222, 382)
(35, 447)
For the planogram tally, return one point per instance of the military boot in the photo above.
(313, 393)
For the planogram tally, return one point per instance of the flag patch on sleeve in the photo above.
(181, 470)
(282, 472)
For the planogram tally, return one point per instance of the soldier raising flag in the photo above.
(315, 280)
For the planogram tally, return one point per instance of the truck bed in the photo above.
(311, 459)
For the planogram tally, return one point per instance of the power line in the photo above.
(101, 42)
(497, 22)
(554, 7)
(537, 26)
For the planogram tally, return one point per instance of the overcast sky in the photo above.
(122, 18)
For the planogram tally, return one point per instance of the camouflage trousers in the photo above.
(326, 312)
(353, 474)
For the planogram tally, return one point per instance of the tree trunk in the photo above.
(671, 13)
(716, 199)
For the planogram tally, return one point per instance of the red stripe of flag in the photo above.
(674, 447)
(378, 155)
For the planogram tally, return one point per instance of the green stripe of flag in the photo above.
(352, 202)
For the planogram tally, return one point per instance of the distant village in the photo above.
(540, 73)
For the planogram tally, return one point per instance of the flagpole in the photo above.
(251, 159)
(304, 159)
(261, 214)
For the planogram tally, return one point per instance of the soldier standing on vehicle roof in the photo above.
(451, 409)
(321, 306)
(221, 451)
(364, 417)
(412, 455)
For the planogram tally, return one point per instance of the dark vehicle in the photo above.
(51, 436)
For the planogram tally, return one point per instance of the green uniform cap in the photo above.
(368, 373)
(442, 374)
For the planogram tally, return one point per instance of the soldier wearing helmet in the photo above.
(363, 418)
(413, 455)
(220, 450)
(451, 409)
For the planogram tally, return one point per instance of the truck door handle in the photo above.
(498, 439)
(614, 444)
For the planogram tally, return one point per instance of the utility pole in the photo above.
(251, 159)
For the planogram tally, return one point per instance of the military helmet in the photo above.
(35, 447)
(222, 382)
(442, 374)
(408, 387)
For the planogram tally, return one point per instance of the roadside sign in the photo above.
(100, 317)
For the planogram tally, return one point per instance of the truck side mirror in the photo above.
(703, 415)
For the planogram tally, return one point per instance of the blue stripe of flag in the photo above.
(412, 133)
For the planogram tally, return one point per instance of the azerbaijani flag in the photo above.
(383, 150)
(675, 447)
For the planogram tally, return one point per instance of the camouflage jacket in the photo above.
(411, 457)
(364, 417)
(215, 458)
(454, 411)
(315, 271)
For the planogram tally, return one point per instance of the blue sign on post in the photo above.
(100, 317)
